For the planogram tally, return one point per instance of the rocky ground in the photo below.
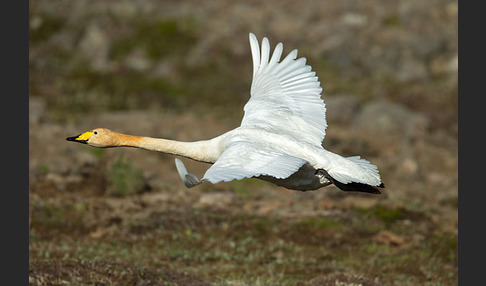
(175, 70)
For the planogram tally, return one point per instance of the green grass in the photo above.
(97, 152)
(124, 178)
(386, 214)
(159, 39)
(43, 169)
(47, 27)
(320, 223)
(246, 187)
(221, 246)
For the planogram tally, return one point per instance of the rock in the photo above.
(354, 19)
(215, 200)
(157, 198)
(35, 22)
(453, 64)
(385, 116)
(411, 70)
(138, 61)
(409, 167)
(388, 238)
(441, 65)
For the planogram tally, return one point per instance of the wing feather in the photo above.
(255, 52)
(265, 53)
(285, 95)
(277, 53)
(245, 160)
(310, 76)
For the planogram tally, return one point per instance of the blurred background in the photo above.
(182, 70)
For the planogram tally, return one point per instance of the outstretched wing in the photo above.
(245, 160)
(285, 95)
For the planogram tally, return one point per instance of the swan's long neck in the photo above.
(204, 151)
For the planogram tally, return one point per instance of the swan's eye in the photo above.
(96, 132)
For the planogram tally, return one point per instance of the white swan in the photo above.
(279, 140)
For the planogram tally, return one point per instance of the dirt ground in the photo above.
(122, 216)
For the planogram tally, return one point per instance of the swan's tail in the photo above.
(354, 174)
(352, 186)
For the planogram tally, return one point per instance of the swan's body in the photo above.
(279, 140)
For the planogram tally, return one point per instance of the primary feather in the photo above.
(285, 96)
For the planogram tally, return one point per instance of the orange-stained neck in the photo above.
(204, 151)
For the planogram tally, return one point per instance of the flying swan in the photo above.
(279, 140)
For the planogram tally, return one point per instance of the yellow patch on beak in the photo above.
(81, 138)
(84, 136)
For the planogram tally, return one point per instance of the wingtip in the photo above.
(294, 53)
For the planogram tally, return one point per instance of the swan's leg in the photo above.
(189, 180)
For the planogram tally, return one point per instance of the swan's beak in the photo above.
(81, 138)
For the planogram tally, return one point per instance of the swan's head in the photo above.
(99, 137)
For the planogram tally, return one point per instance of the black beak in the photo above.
(74, 138)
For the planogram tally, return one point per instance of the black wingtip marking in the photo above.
(352, 187)
(356, 187)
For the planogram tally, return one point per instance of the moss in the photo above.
(51, 220)
(97, 152)
(160, 39)
(43, 169)
(124, 178)
(53, 212)
(95, 91)
(46, 28)
(444, 247)
(246, 187)
(391, 20)
(451, 201)
(320, 223)
(386, 214)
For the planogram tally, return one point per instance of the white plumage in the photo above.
(279, 140)
(282, 130)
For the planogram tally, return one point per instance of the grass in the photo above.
(221, 246)
(320, 223)
(124, 178)
(246, 187)
(45, 28)
(384, 213)
(159, 39)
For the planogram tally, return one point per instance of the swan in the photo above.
(279, 139)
